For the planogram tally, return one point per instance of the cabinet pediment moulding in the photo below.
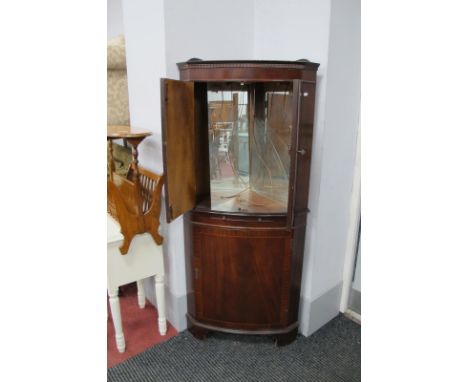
(227, 70)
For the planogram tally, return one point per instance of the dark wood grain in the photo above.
(125, 131)
(241, 274)
(301, 148)
(247, 70)
(296, 266)
(244, 269)
(178, 132)
(202, 156)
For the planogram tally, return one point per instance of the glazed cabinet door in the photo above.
(178, 134)
(301, 149)
(241, 277)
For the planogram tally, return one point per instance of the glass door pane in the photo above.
(270, 140)
(249, 128)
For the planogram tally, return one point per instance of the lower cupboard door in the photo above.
(242, 279)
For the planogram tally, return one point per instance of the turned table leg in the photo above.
(110, 159)
(141, 294)
(160, 303)
(117, 319)
(134, 142)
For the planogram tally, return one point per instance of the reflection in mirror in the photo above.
(250, 128)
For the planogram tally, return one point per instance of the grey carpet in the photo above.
(331, 354)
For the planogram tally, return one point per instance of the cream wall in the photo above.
(342, 109)
(327, 32)
(208, 29)
(158, 35)
(339, 144)
(301, 28)
(115, 25)
(195, 29)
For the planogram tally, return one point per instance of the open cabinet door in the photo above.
(301, 151)
(178, 134)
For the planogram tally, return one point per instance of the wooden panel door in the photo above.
(179, 146)
(301, 149)
(242, 277)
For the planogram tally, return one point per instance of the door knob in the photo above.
(302, 151)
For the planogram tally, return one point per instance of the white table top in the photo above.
(113, 230)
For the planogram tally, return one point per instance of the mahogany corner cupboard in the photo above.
(237, 140)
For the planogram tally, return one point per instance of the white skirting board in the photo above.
(352, 315)
(355, 301)
(314, 314)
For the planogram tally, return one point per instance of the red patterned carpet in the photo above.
(140, 327)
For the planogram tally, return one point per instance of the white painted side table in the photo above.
(144, 259)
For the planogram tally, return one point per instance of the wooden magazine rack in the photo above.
(135, 200)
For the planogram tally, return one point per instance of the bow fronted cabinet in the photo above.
(237, 140)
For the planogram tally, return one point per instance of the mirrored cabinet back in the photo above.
(237, 140)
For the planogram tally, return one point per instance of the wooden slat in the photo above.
(123, 203)
(178, 130)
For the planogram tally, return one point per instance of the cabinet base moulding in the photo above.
(283, 336)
